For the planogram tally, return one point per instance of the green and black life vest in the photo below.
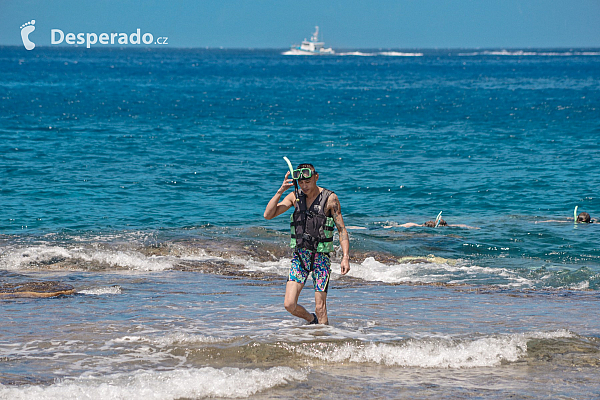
(311, 229)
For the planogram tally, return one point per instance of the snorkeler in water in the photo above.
(432, 224)
(582, 218)
(428, 224)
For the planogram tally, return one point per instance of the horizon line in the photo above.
(287, 48)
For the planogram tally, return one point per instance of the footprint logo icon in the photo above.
(26, 29)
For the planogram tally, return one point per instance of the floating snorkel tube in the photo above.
(438, 219)
(287, 160)
(575, 215)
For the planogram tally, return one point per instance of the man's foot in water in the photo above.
(315, 320)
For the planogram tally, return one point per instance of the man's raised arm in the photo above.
(275, 207)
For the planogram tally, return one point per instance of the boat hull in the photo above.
(299, 52)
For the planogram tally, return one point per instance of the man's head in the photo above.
(431, 224)
(306, 179)
(584, 218)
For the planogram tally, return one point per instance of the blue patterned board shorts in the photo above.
(320, 271)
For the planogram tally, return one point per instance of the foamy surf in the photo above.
(279, 267)
(164, 385)
(112, 290)
(420, 270)
(400, 54)
(381, 53)
(433, 269)
(357, 53)
(170, 339)
(426, 270)
(432, 352)
(57, 257)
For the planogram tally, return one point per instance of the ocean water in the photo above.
(140, 178)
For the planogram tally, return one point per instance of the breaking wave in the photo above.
(54, 257)
(269, 263)
(431, 353)
(176, 384)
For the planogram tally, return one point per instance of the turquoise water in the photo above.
(141, 176)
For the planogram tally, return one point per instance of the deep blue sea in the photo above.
(140, 177)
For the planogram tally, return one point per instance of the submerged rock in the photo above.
(35, 289)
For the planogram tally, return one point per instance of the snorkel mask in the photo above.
(303, 174)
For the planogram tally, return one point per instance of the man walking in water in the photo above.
(315, 212)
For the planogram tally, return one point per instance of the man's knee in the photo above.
(290, 305)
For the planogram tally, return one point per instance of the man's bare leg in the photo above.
(292, 292)
(321, 307)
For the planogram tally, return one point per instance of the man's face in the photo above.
(307, 184)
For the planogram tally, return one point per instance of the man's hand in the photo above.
(287, 183)
(345, 264)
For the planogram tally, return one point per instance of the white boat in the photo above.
(310, 47)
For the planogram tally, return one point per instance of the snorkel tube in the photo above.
(438, 219)
(295, 181)
(575, 215)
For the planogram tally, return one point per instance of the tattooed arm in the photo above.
(334, 209)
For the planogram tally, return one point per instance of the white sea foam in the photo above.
(580, 286)
(433, 353)
(183, 338)
(23, 257)
(280, 267)
(400, 54)
(40, 256)
(435, 270)
(372, 270)
(357, 53)
(130, 259)
(170, 339)
(176, 384)
(102, 290)
(383, 53)
(432, 271)
(369, 270)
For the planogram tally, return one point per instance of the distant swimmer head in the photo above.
(584, 218)
(432, 224)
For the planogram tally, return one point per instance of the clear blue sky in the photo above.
(343, 23)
